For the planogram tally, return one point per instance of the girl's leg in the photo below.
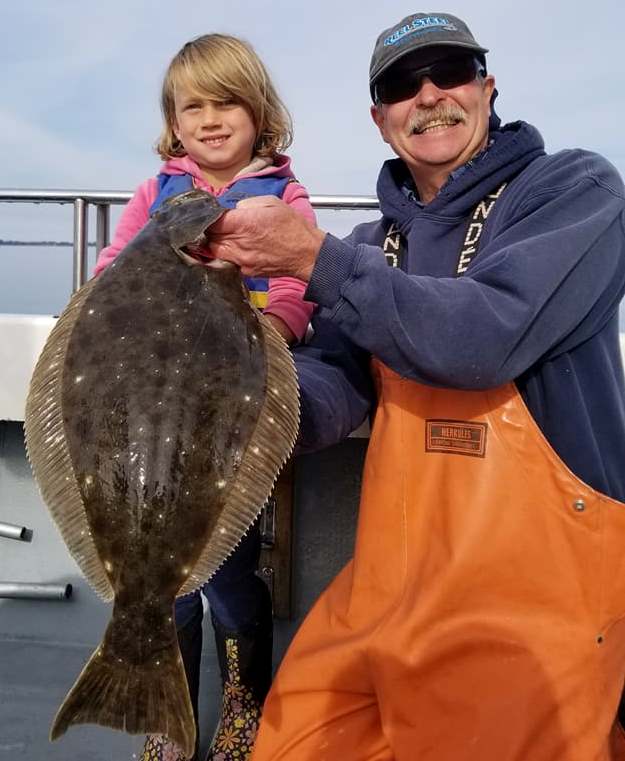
(189, 613)
(237, 597)
(243, 623)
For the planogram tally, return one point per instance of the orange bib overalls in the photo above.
(483, 615)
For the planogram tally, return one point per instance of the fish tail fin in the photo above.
(146, 699)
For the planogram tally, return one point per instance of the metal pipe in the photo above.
(11, 531)
(345, 202)
(80, 243)
(26, 591)
(13, 195)
(102, 227)
(26, 195)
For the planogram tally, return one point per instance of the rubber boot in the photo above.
(159, 747)
(245, 665)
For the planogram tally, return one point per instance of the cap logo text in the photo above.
(419, 24)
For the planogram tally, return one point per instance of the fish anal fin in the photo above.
(268, 449)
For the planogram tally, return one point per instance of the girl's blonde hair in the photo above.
(221, 68)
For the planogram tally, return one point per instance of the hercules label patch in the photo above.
(455, 437)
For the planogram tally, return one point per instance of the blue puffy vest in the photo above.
(172, 184)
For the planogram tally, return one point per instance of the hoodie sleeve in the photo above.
(336, 390)
(546, 281)
(286, 294)
(135, 215)
(296, 196)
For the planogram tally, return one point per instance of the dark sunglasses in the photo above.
(405, 83)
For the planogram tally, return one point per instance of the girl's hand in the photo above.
(281, 327)
(266, 238)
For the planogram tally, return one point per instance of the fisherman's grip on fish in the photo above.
(160, 413)
(263, 236)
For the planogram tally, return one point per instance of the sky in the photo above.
(80, 88)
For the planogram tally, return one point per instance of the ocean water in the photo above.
(36, 279)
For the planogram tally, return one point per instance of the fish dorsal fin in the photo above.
(48, 451)
(269, 447)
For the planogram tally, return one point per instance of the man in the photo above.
(483, 615)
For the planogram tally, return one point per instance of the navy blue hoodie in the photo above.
(538, 305)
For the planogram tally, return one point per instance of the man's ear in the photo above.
(489, 85)
(377, 114)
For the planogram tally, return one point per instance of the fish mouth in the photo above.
(198, 249)
(219, 264)
(198, 252)
(189, 219)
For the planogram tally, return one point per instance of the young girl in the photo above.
(224, 128)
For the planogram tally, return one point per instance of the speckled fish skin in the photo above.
(165, 394)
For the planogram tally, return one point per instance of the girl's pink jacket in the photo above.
(285, 297)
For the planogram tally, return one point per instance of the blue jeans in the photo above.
(235, 593)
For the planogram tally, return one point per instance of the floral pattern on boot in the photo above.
(240, 715)
(159, 748)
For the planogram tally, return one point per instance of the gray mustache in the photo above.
(422, 119)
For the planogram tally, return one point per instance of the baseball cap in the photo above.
(417, 32)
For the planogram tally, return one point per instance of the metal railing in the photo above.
(104, 199)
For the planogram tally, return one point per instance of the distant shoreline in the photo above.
(39, 243)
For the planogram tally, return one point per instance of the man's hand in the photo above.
(266, 238)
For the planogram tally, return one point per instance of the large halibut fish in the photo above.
(159, 415)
